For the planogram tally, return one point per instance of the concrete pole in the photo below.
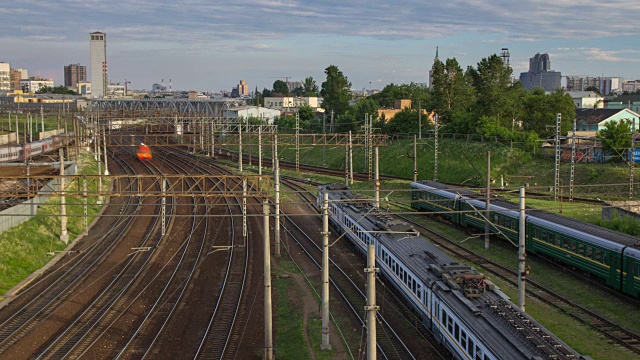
(104, 143)
(84, 205)
(244, 210)
(97, 138)
(94, 125)
(163, 205)
(346, 163)
(371, 307)
(415, 158)
(276, 184)
(213, 140)
(42, 117)
(64, 236)
(325, 273)
(376, 177)
(9, 121)
(420, 119)
(259, 149)
(17, 131)
(522, 254)
(268, 334)
(488, 202)
(297, 141)
(240, 147)
(350, 160)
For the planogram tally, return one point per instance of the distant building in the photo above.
(631, 86)
(605, 85)
(399, 105)
(610, 85)
(540, 74)
(292, 103)
(5, 76)
(17, 75)
(34, 84)
(115, 90)
(158, 88)
(631, 102)
(593, 120)
(99, 76)
(586, 99)
(268, 115)
(243, 88)
(73, 74)
(292, 85)
(84, 88)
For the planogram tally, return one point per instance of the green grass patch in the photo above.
(26, 247)
(51, 122)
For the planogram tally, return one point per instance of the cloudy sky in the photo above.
(209, 45)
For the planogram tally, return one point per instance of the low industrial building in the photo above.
(586, 99)
(245, 112)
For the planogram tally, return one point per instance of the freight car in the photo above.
(609, 255)
(463, 309)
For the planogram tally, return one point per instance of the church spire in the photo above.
(436, 59)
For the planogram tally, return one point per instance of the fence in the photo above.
(24, 211)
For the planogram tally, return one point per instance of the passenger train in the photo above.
(463, 309)
(22, 153)
(607, 254)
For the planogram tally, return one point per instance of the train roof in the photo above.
(598, 232)
(585, 227)
(490, 315)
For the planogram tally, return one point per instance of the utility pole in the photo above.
(324, 132)
(259, 149)
(104, 143)
(297, 141)
(420, 119)
(488, 203)
(632, 159)
(325, 273)
(435, 162)
(346, 163)
(64, 236)
(240, 146)
(366, 141)
(371, 307)
(377, 179)
(350, 159)
(276, 185)
(268, 333)
(522, 254)
(84, 206)
(99, 159)
(331, 125)
(370, 146)
(573, 161)
(163, 205)
(415, 159)
(556, 183)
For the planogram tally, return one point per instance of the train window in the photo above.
(443, 316)
(470, 347)
(551, 238)
(558, 241)
(456, 332)
(463, 339)
(581, 248)
(598, 255)
(450, 325)
(537, 233)
(589, 252)
(544, 236)
(486, 357)
(637, 272)
(573, 246)
(507, 223)
(478, 353)
(606, 258)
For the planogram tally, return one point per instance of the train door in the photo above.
(631, 275)
(26, 152)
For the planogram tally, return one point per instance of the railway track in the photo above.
(615, 332)
(343, 272)
(43, 299)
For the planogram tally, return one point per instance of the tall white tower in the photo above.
(99, 78)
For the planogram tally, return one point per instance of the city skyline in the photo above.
(210, 47)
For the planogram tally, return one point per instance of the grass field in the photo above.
(51, 122)
(29, 246)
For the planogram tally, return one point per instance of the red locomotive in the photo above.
(144, 153)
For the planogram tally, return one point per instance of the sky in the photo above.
(210, 45)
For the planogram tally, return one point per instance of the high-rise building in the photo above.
(74, 73)
(5, 76)
(99, 78)
(540, 74)
(243, 88)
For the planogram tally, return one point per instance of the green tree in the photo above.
(299, 91)
(336, 91)
(595, 89)
(280, 87)
(405, 121)
(539, 112)
(496, 96)
(306, 113)
(310, 87)
(56, 90)
(452, 90)
(616, 137)
(413, 91)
